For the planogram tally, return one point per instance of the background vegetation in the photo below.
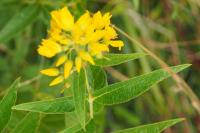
(169, 28)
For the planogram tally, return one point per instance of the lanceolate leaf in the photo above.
(28, 125)
(151, 128)
(79, 92)
(116, 59)
(19, 22)
(129, 89)
(55, 106)
(6, 104)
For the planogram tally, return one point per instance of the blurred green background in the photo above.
(169, 28)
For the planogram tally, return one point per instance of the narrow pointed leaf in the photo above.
(28, 125)
(19, 22)
(6, 104)
(132, 88)
(116, 59)
(55, 106)
(79, 93)
(151, 128)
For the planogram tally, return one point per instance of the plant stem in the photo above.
(91, 99)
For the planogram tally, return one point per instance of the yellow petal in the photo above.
(78, 63)
(84, 21)
(56, 36)
(67, 68)
(97, 20)
(52, 45)
(61, 60)
(56, 81)
(101, 21)
(97, 35)
(106, 19)
(49, 48)
(97, 48)
(50, 72)
(110, 33)
(86, 56)
(62, 19)
(55, 19)
(67, 19)
(116, 43)
(46, 52)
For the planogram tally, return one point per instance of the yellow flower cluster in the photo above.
(76, 42)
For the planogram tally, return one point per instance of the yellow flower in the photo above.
(87, 38)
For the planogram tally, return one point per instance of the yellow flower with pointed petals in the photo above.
(88, 38)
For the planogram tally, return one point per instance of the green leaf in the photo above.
(90, 128)
(151, 128)
(19, 22)
(116, 59)
(78, 86)
(55, 106)
(72, 129)
(97, 77)
(71, 119)
(6, 104)
(28, 125)
(124, 91)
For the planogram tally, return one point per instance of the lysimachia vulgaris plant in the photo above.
(81, 48)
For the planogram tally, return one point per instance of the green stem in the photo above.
(91, 99)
